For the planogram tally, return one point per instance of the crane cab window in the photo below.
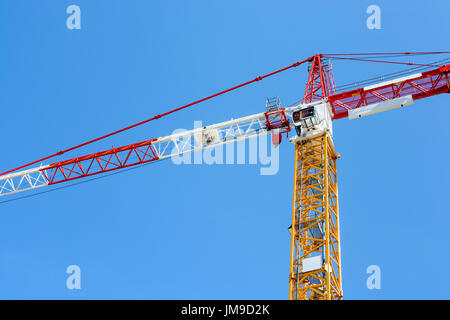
(305, 118)
(308, 112)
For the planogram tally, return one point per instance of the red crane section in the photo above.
(420, 85)
(320, 80)
(100, 162)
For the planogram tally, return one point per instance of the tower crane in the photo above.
(315, 257)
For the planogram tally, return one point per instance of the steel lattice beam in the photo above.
(315, 222)
(320, 80)
(420, 85)
(109, 160)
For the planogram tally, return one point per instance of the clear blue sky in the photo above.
(200, 231)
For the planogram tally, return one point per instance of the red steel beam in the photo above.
(320, 80)
(430, 83)
(100, 162)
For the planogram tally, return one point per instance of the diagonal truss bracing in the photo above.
(420, 85)
(315, 222)
(23, 181)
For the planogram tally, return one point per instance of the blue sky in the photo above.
(212, 232)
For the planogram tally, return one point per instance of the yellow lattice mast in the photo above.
(315, 252)
(315, 263)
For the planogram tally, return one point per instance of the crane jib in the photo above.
(419, 86)
(416, 86)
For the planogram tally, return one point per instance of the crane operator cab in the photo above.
(312, 120)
